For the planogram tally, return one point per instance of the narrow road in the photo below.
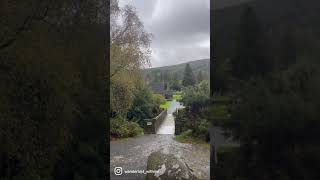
(167, 126)
(132, 153)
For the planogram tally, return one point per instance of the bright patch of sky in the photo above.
(180, 28)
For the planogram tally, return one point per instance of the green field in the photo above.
(165, 105)
(177, 97)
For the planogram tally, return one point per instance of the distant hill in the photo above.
(202, 65)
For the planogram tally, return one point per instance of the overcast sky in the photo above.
(180, 28)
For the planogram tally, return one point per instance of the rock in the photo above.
(167, 166)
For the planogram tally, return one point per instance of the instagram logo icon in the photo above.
(118, 171)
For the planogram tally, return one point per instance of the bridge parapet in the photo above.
(151, 126)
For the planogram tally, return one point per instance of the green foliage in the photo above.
(158, 99)
(121, 128)
(176, 72)
(188, 77)
(199, 126)
(196, 100)
(165, 105)
(176, 85)
(200, 76)
(180, 121)
(129, 51)
(184, 135)
(196, 97)
(177, 97)
(146, 105)
(188, 137)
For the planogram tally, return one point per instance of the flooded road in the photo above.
(174, 106)
(132, 153)
(168, 126)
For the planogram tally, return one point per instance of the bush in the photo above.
(181, 121)
(121, 128)
(146, 105)
(197, 97)
(134, 129)
(184, 135)
(185, 121)
(158, 99)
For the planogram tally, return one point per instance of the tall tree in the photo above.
(188, 78)
(129, 51)
(200, 76)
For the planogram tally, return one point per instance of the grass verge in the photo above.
(165, 105)
(186, 137)
(177, 97)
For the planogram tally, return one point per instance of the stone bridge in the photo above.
(151, 126)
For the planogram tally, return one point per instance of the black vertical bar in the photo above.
(107, 85)
(212, 144)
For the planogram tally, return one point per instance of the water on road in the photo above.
(132, 153)
(167, 126)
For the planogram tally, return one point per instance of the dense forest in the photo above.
(172, 76)
(265, 89)
(53, 79)
(199, 67)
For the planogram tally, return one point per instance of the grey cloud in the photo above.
(178, 26)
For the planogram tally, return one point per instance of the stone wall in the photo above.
(151, 126)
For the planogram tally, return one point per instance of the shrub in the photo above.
(134, 129)
(197, 97)
(184, 135)
(121, 128)
(158, 99)
(146, 105)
